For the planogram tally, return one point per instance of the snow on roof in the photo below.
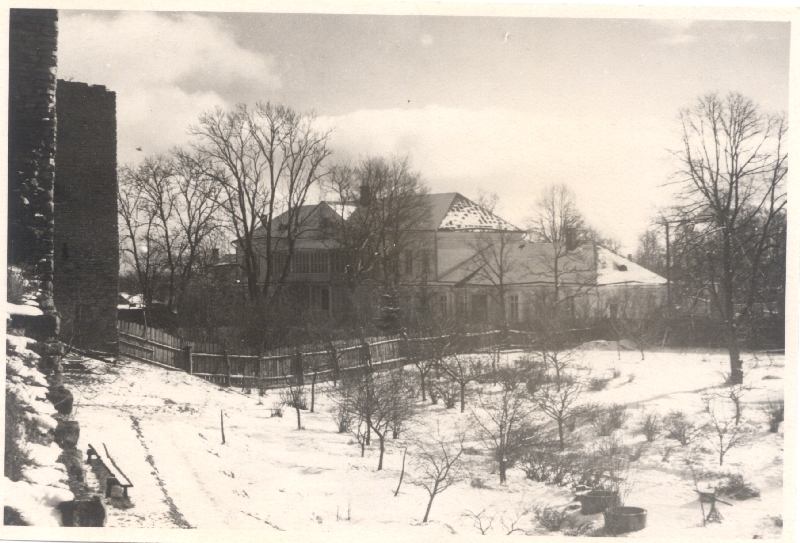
(464, 214)
(344, 210)
(613, 269)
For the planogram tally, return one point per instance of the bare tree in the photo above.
(438, 465)
(558, 223)
(139, 244)
(463, 369)
(378, 401)
(267, 160)
(381, 234)
(504, 419)
(731, 176)
(294, 395)
(558, 400)
(723, 430)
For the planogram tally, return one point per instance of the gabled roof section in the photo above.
(613, 269)
(463, 214)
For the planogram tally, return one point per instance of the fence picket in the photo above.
(269, 369)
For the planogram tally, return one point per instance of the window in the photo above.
(513, 307)
(441, 304)
(409, 262)
(307, 262)
(320, 298)
(480, 308)
(613, 309)
(325, 299)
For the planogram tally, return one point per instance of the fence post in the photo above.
(187, 359)
(227, 365)
(366, 357)
(406, 352)
(297, 366)
(335, 363)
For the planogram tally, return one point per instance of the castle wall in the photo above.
(32, 145)
(86, 237)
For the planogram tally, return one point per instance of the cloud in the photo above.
(679, 39)
(517, 153)
(164, 67)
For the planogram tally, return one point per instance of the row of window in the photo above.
(336, 262)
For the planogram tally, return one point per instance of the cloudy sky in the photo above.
(505, 105)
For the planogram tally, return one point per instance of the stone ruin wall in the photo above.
(33, 38)
(86, 239)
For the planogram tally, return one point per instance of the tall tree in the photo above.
(266, 160)
(651, 253)
(558, 222)
(495, 260)
(731, 179)
(140, 245)
(385, 227)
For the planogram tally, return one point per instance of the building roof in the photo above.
(532, 263)
(453, 211)
(613, 269)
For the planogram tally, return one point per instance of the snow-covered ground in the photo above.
(43, 482)
(163, 429)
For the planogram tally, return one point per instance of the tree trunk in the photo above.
(422, 384)
(430, 501)
(380, 457)
(502, 470)
(313, 383)
(463, 390)
(561, 433)
(402, 472)
(298, 417)
(737, 370)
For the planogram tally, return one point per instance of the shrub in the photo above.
(609, 419)
(589, 470)
(299, 402)
(631, 377)
(597, 384)
(550, 518)
(778, 521)
(651, 427)
(449, 392)
(615, 372)
(550, 466)
(16, 286)
(679, 427)
(477, 482)
(666, 451)
(636, 451)
(774, 410)
(277, 409)
(734, 485)
(341, 417)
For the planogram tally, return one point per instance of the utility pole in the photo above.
(669, 286)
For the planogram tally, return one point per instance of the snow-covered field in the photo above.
(163, 429)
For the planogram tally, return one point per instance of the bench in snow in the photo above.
(115, 475)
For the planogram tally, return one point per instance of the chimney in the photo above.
(214, 255)
(570, 240)
(366, 196)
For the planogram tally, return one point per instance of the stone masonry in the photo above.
(31, 149)
(86, 240)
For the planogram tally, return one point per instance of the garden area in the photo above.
(511, 443)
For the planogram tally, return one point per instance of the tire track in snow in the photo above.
(174, 514)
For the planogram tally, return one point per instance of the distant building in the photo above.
(444, 270)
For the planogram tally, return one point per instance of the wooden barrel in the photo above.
(620, 520)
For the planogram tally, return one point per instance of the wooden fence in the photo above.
(319, 362)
